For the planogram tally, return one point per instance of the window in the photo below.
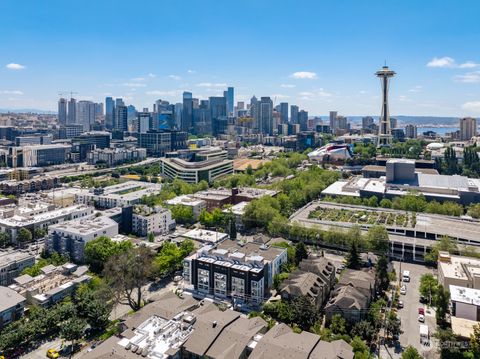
(220, 282)
(238, 287)
(257, 291)
(203, 280)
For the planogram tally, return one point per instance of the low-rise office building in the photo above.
(119, 195)
(69, 238)
(458, 271)
(194, 172)
(38, 155)
(465, 302)
(240, 272)
(157, 220)
(205, 237)
(402, 178)
(12, 306)
(217, 198)
(52, 286)
(12, 263)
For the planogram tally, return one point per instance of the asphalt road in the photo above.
(409, 315)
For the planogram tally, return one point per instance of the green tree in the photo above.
(300, 252)
(411, 352)
(98, 251)
(24, 235)
(392, 324)
(126, 273)
(386, 203)
(353, 257)
(428, 286)
(182, 214)
(475, 341)
(73, 330)
(364, 329)
(5, 239)
(40, 233)
(383, 278)
(442, 300)
(151, 237)
(474, 210)
(360, 349)
(445, 244)
(305, 312)
(94, 306)
(378, 240)
(338, 324)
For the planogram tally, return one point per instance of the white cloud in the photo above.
(468, 65)
(14, 66)
(304, 75)
(473, 106)
(11, 92)
(442, 62)
(323, 93)
(306, 94)
(287, 86)
(469, 77)
(138, 79)
(210, 84)
(280, 96)
(174, 77)
(191, 71)
(415, 89)
(362, 92)
(151, 75)
(403, 98)
(133, 84)
(164, 93)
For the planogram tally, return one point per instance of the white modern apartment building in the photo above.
(157, 220)
(38, 215)
(119, 195)
(70, 238)
(197, 205)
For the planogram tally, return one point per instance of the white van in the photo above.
(424, 334)
(406, 276)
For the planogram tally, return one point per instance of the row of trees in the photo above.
(90, 306)
(450, 165)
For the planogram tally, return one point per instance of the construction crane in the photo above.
(71, 93)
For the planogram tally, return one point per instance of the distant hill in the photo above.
(417, 120)
(26, 110)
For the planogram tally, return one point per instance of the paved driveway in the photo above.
(409, 315)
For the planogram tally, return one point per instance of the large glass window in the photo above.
(186, 271)
(257, 291)
(238, 287)
(220, 284)
(203, 280)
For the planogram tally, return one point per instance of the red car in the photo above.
(421, 311)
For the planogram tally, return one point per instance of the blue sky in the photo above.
(320, 55)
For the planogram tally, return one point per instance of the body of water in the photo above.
(440, 130)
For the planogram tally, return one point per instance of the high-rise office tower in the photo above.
(384, 130)
(109, 113)
(121, 118)
(62, 111)
(367, 122)
(98, 111)
(85, 114)
(240, 105)
(303, 120)
(393, 123)
(72, 111)
(143, 122)
(333, 118)
(468, 128)
(266, 116)
(218, 114)
(411, 131)
(283, 112)
(229, 95)
(202, 118)
(119, 102)
(294, 114)
(254, 110)
(187, 112)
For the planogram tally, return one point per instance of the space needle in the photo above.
(384, 130)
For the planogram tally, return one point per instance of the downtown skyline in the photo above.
(319, 66)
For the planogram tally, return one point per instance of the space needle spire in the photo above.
(384, 130)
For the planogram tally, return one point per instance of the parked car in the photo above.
(400, 304)
(421, 311)
(403, 290)
(53, 353)
(421, 318)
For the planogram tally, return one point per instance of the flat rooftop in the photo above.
(205, 236)
(186, 200)
(465, 295)
(85, 226)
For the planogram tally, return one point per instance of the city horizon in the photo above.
(328, 68)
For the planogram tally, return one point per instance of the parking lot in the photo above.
(409, 315)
